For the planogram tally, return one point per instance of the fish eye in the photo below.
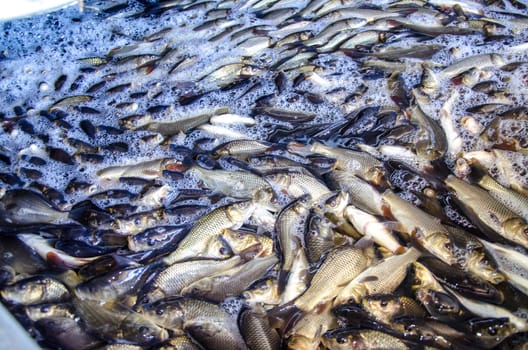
(144, 331)
(384, 303)
(342, 340)
(492, 331)
(45, 308)
(160, 311)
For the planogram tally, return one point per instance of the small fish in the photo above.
(425, 229)
(208, 229)
(24, 207)
(238, 184)
(171, 280)
(146, 170)
(116, 322)
(319, 237)
(256, 330)
(339, 267)
(66, 333)
(290, 227)
(370, 227)
(488, 213)
(112, 285)
(341, 339)
(380, 278)
(354, 162)
(387, 307)
(52, 255)
(35, 290)
(231, 282)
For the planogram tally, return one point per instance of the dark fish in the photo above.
(24, 207)
(60, 155)
(66, 333)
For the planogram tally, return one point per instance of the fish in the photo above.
(387, 307)
(137, 175)
(511, 263)
(488, 213)
(112, 285)
(222, 181)
(208, 229)
(66, 332)
(35, 290)
(370, 227)
(174, 278)
(145, 170)
(422, 227)
(361, 339)
(339, 267)
(257, 331)
(25, 207)
(370, 281)
(53, 255)
(290, 227)
(318, 238)
(232, 282)
(357, 163)
(115, 321)
(490, 310)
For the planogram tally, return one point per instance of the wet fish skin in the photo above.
(238, 184)
(147, 170)
(290, 226)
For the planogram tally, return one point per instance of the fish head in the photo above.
(482, 264)
(165, 311)
(239, 212)
(440, 245)
(336, 203)
(239, 240)
(218, 248)
(249, 70)
(382, 306)
(24, 292)
(343, 339)
(301, 342)
(517, 228)
(266, 292)
(146, 333)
